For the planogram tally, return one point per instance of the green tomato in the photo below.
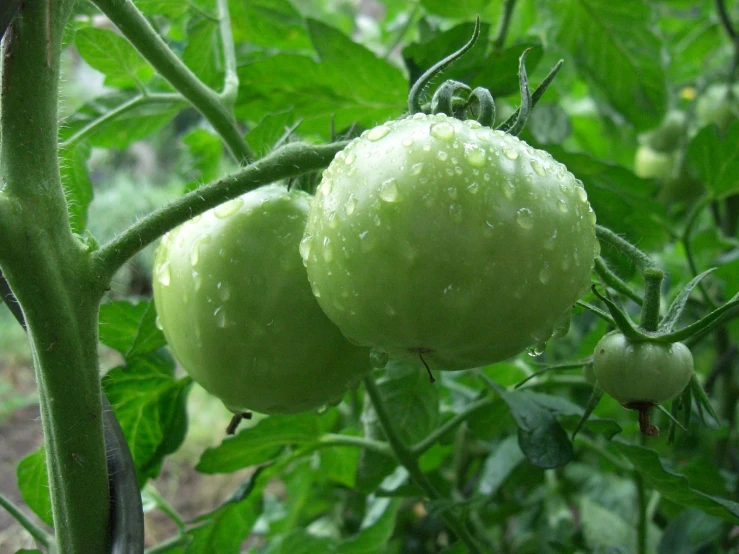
(589, 374)
(443, 241)
(666, 137)
(236, 308)
(716, 106)
(643, 373)
(650, 164)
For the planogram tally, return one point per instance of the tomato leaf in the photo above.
(113, 56)
(505, 457)
(33, 482)
(130, 328)
(260, 443)
(76, 183)
(689, 532)
(715, 158)
(676, 487)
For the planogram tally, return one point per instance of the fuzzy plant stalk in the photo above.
(48, 269)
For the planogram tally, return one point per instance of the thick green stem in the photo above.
(641, 260)
(231, 79)
(642, 523)
(614, 281)
(652, 295)
(409, 460)
(288, 161)
(137, 29)
(47, 270)
(421, 447)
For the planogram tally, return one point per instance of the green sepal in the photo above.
(703, 403)
(446, 99)
(485, 106)
(682, 402)
(703, 325)
(597, 311)
(535, 97)
(621, 320)
(522, 114)
(678, 305)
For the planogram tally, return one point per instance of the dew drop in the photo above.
(538, 349)
(164, 274)
(442, 131)
(220, 315)
(326, 186)
(582, 194)
(472, 124)
(379, 359)
(338, 305)
(442, 155)
(548, 243)
(224, 291)
(483, 136)
(350, 157)
(592, 217)
(316, 292)
(321, 410)
(197, 279)
(510, 153)
(158, 323)
(332, 221)
(407, 141)
(328, 250)
(540, 171)
(487, 229)
(419, 116)
(525, 218)
(416, 168)
(474, 155)
(228, 208)
(350, 205)
(486, 176)
(195, 249)
(389, 190)
(509, 189)
(473, 187)
(452, 192)
(545, 274)
(562, 205)
(378, 132)
(306, 245)
(455, 213)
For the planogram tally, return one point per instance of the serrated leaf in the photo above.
(33, 482)
(376, 529)
(316, 92)
(275, 24)
(339, 464)
(260, 443)
(139, 121)
(113, 56)
(269, 130)
(676, 487)
(410, 400)
(202, 53)
(130, 328)
(76, 183)
(205, 153)
(506, 457)
(689, 532)
(616, 49)
(149, 403)
(715, 158)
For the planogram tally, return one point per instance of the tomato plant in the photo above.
(236, 308)
(430, 236)
(719, 105)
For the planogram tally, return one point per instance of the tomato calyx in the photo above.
(458, 100)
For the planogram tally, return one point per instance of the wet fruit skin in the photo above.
(235, 305)
(641, 373)
(439, 238)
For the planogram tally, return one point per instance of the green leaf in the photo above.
(372, 467)
(260, 443)
(129, 125)
(715, 158)
(33, 482)
(203, 51)
(616, 49)
(76, 183)
(505, 457)
(540, 436)
(274, 24)
(149, 403)
(622, 201)
(339, 464)
(205, 152)
(130, 328)
(173, 9)
(605, 530)
(113, 56)
(689, 532)
(676, 487)
(549, 124)
(269, 130)
(460, 9)
(224, 529)
(410, 400)
(316, 92)
(376, 530)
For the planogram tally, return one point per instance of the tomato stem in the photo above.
(653, 290)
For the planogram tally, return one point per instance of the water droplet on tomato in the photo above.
(525, 218)
(378, 358)
(158, 323)
(509, 189)
(472, 124)
(540, 171)
(164, 274)
(474, 155)
(562, 205)
(350, 157)
(378, 132)
(220, 315)
(452, 192)
(389, 191)
(591, 216)
(582, 194)
(442, 155)
(545, 274)
(473, 187)
(407, 141)
(510, 153)
(442, 131)
(350, 205)
(328, 250)
(316, 291)
(331, 220)
(538, 349)
(197, 279)
(322, 410)
(418, 116)
(326, 186)
(224, 291)
(487, 229)
(305, 247)
(416, 168)
(229, 208)
(455, 213)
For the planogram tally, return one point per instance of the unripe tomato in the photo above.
(715, 105)
(236, 308)
(436, 238)
(650, 164)
(666, 137)
(643, 373)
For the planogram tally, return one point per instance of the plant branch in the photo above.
(38, 534)
(614, 281)
(111, 115)
(231, 79)
(288, 161)
(410, 462)
(137, 29)
(423, 445)
(334, 439)
(505, 22)
(641, 260)
(641, 527)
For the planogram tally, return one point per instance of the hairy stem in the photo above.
(614, 281)
(641, 260)
(410, 462)
(135, 27)
(653, 290)
(38, 534)
(231, 79)
(288, 161)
